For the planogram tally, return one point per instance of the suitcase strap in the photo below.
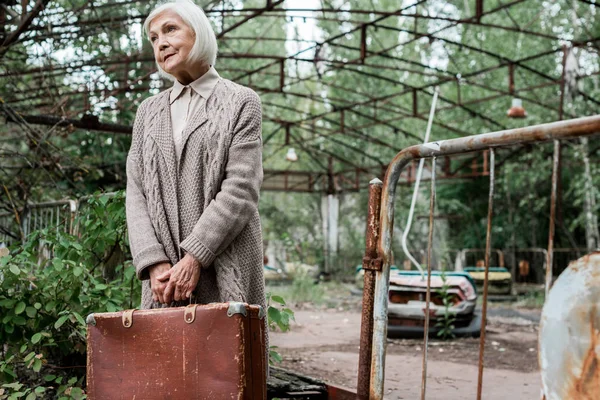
(189, 313)
(127, 318)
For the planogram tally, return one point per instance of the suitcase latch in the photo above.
(189, 313)
(128, 318)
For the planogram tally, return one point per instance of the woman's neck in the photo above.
(191, 74)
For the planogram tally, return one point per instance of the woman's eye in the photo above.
(170, 29)
(153, 39)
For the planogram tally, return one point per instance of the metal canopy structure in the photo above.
(346, 86)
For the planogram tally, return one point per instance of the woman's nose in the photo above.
(162, 44)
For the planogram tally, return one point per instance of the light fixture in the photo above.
(516, 109)
(291, 155)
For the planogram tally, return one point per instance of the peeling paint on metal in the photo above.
(569, 343)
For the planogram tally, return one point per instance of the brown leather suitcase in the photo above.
(214, 351)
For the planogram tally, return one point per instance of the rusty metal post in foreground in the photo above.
(551, 228)
(371, 263)
(488, 250)
(428, 295)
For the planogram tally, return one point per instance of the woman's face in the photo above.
(172, 40)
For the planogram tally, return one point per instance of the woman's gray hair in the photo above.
(205, 46)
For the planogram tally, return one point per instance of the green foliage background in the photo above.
(44, 301)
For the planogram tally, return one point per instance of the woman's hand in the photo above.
(181, 280)
(158, 286)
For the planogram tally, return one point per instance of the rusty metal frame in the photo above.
(560, 130)
(365, 59)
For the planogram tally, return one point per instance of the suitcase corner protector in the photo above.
(90, 320)
(236, 307)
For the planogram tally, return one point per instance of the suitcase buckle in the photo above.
(189, 313)
(127, 318)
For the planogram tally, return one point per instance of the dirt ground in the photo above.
(324, 343)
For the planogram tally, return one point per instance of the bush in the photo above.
(44, 301)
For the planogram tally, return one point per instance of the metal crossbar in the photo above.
(556, 131)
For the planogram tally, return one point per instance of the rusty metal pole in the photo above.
(371, 262)
(555, 182)
(428, 295)
(488, 247)
(553, 196)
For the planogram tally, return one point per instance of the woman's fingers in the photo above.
(178, 293)
(168, 292)
(159, 292)
(178, 282)
(164, 276)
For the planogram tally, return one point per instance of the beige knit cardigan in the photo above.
(204, 204)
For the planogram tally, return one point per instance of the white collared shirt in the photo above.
(186, 100)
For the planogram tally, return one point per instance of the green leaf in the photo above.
(31, 312)
(101, 286)
(37, 365)
(284, 322)
(40, 389)
(23, 348)
(290, 313)
(79, 318)
(29, 356)
(57, 264)
(49, 378)
(19, 320)
(77, 393)
(37, 306)
(275, 356)
(4, 260)
(31, 396)
(50, 306)
(36, 338)
(278, 299)
(14, 385)
(14, 269)
(9, 328)
(7, 303)
(60, 322)
(274, 315)
(20, 308)
(77, 271)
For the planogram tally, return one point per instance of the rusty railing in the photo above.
(379, 262)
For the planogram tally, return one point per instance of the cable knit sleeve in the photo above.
(145, 247)
(237, 201)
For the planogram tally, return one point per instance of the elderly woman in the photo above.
(194, 171)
